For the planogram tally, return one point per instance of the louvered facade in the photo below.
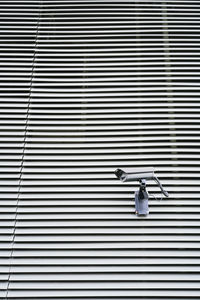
(87, 87)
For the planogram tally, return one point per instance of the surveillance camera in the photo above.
(141, 196)
(134, 174)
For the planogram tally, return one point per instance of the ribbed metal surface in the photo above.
(87, 87)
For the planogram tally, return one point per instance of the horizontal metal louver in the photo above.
(87, 87)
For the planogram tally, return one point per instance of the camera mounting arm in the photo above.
(165, 193)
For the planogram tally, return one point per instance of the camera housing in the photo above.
(141, 196)
(135, 174)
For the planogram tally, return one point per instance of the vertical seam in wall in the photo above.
(168, 73)
(166, 45)
(24, 148)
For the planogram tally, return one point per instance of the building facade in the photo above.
(88, 87)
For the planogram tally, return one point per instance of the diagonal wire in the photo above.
(24, 148)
